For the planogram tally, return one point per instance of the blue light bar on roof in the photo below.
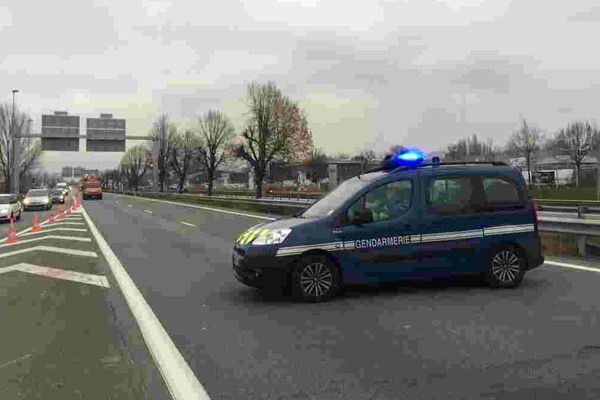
(410, 156)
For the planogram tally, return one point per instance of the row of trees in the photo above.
(576, 141)
(276, 129)
(13, 124)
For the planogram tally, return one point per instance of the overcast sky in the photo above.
(368, 73)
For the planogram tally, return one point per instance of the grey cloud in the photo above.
(590, 15)
(77, 27)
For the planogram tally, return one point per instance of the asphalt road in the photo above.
(457, 340)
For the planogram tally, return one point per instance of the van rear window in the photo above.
(449, 195)
(501, 193)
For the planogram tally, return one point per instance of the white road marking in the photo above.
(16, 360)
(61, 222)
(200, 207)
(180, 379)
(188, 224)
(130, 205)
(73, 238)
(148, 211)
(50, 249)
(573, 266)
(91, 279)
(53, 230)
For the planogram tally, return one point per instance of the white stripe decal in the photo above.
(414, 239)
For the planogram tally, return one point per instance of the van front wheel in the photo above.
(315, 278)
(505, 267)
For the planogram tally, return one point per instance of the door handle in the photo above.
(407, 226)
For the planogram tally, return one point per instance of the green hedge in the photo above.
(241, 205)
(564, 193)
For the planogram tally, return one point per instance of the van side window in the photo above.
(449, 195)
(386, 201)
(501, 194)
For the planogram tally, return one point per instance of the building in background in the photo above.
(60, 132)
(74, 174)
(105, 134)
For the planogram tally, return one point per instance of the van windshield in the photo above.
(335, 198)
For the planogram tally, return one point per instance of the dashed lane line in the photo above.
(188, 224)
(71, 238)
(200, 207)
(148, 211)
(91, 279)
(50, 249)
(179, 377)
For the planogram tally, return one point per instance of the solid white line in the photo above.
(180, 379)
(188, 224)
(148, 211)
(198, 207)
(91, 279)
(50, 249)
(74, 238)
(573, 266)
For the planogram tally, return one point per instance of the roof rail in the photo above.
(435, 164)
(429, 164)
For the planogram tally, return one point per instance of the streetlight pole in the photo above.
(14, 166)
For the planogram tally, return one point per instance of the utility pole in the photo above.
(15, 149)
(155, 150)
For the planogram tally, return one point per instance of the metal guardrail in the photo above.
(576, 223)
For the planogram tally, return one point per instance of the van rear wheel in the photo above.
(505, 267)
(315, 278)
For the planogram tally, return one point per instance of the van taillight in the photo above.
(534, 207)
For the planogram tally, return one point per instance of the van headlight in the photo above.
(27, 201)
(271, 236)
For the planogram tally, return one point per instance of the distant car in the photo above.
(64, 187)
(37, 199)
(58, 196)
(10, 206)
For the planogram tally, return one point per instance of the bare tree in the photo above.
(29, 150)
(270, 130)
(526, 142)
(163, 131)
(576, 141)
(184, 152)
(488, 151)
(134, 164)
(216, 134)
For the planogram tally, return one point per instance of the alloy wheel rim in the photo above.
(315, 279)
(506, 266)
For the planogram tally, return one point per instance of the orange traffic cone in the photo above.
(36, 224)
(61, 215)
(51, 220)
(12, 233)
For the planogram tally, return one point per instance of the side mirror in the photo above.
(361, 217)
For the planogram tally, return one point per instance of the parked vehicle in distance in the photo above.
(58, 196)
(37, 199)
(10, 206)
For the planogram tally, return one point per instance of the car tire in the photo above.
(19, 215)
(505, 267)
(315, 278)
